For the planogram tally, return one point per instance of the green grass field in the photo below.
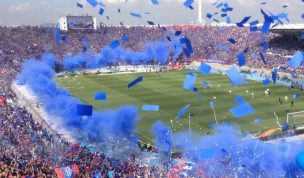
(165, 89)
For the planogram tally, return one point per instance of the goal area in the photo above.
(296, 118)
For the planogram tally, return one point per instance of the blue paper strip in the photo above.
(296, 59)
(239, 100)
(155, 2)
(114, 44)
(84, 110)
(79, 5)
(204, 69)
(298, 95)
(101, 96)
(147, 107)
(135, 82)
(235, 77)
(266, 82)
(135, 14)
(241, 59)
(242, 110)
(189, 82)
(93, 3)
(182, 111)
(244, 20)
(101, 11)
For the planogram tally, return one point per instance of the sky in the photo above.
(169, 12)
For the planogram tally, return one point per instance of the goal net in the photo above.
(296, 118)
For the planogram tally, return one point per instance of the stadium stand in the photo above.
(27, 149)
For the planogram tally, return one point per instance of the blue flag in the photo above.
(67, 172)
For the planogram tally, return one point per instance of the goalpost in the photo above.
(296, 118)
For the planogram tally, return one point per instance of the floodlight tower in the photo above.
(200, 21)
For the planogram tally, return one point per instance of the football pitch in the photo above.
(165, 89)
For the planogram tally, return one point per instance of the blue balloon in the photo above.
(300, 160)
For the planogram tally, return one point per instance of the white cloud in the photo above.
(21, 7)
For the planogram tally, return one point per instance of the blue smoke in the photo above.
(38, 76)
(228, 152)
(120, 123)
(163, 137)
(159, 52)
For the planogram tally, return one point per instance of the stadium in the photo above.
(217, 97)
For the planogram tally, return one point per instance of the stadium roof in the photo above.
(288, 29)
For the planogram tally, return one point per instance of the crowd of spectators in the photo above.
(28, 149)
